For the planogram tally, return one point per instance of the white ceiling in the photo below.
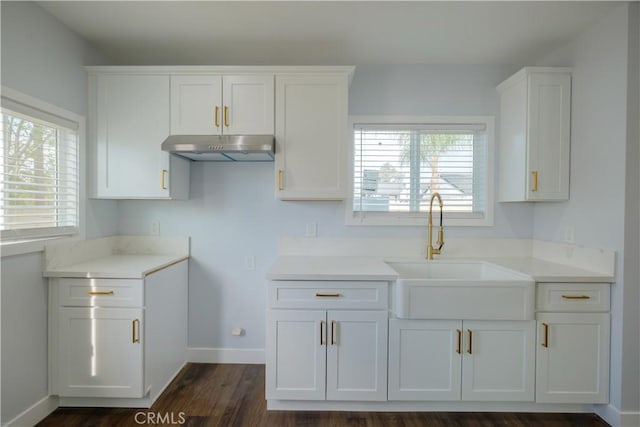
(324, 32)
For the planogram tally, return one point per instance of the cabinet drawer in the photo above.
(569, 297)
(328, 294)
(100, 292)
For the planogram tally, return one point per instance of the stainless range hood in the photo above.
(226, 148)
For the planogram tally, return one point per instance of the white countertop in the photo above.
(330, 268)
(545, 271)
(374, 268)
(116, 267)
(115, 257)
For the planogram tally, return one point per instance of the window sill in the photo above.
(23, 247)
(416, 221)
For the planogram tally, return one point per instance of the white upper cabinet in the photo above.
(129, 120)
(311, 136)
(535, 106)
(222, 104)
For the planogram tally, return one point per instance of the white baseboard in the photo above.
(35, 413)
(253, 356)
(617, 418)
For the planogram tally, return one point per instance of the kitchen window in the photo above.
(40, 166)
(399, 162)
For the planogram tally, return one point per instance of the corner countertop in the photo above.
(115, 257)
(117, 267)
(375, 268)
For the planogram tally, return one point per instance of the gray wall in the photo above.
(41, 58)
(232, 212)
(604, 176)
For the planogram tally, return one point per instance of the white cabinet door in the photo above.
(196, 105)
(498, 362)
(130, 122)
(357, 355)
(248, 105)
(535, 122)
(425, 359)
(216, 105)
(311, 132)
(296, 354)
(548, 149)
(573, 358)
(100, 352)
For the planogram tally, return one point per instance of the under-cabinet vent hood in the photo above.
(226, 148)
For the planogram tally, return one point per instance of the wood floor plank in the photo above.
(214, 395)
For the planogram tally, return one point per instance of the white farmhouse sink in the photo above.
(472, 290)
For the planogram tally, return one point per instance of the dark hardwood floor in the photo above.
(233, 395)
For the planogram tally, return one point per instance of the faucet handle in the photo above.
(440, 241)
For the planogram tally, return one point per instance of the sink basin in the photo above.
(473, 290)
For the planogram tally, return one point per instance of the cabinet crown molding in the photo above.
(220, 69)
(526, 71)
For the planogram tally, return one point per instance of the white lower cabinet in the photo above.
(101, 352)
(468, 360)
(117, 339)
(424, 359)
(573, 358)
(332, 355)
(572, 348)
(327, 354)
(327, 341)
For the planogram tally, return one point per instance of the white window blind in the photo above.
(397, 168)
(39, 164)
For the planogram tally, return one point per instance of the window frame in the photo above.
(36, 244)
(420, 219)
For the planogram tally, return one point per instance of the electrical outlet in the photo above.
(155, 228)
(312, 230)
(250, 263)
(237, 332)
(569, 235)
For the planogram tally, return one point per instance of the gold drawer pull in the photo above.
(333, 332)
(135, 331)
(535, 181)
(470, 348)
(545, 343)
(216, 115)
(576, 297)
(327, 295)
(459, 349)
(280, 172)
(99, 292)
(226, 116)
(163, 179)
(322, 339)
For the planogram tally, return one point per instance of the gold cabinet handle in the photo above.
(459, 348)
(333, 332)
(163, 179)
(99, 292)
(322, 340)
(327, 295)
(280, 172)
(216, 116)
(535, 181)
(135, 331)
(576, 297)
(545, 342)
(226, 116)
(470, 346)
